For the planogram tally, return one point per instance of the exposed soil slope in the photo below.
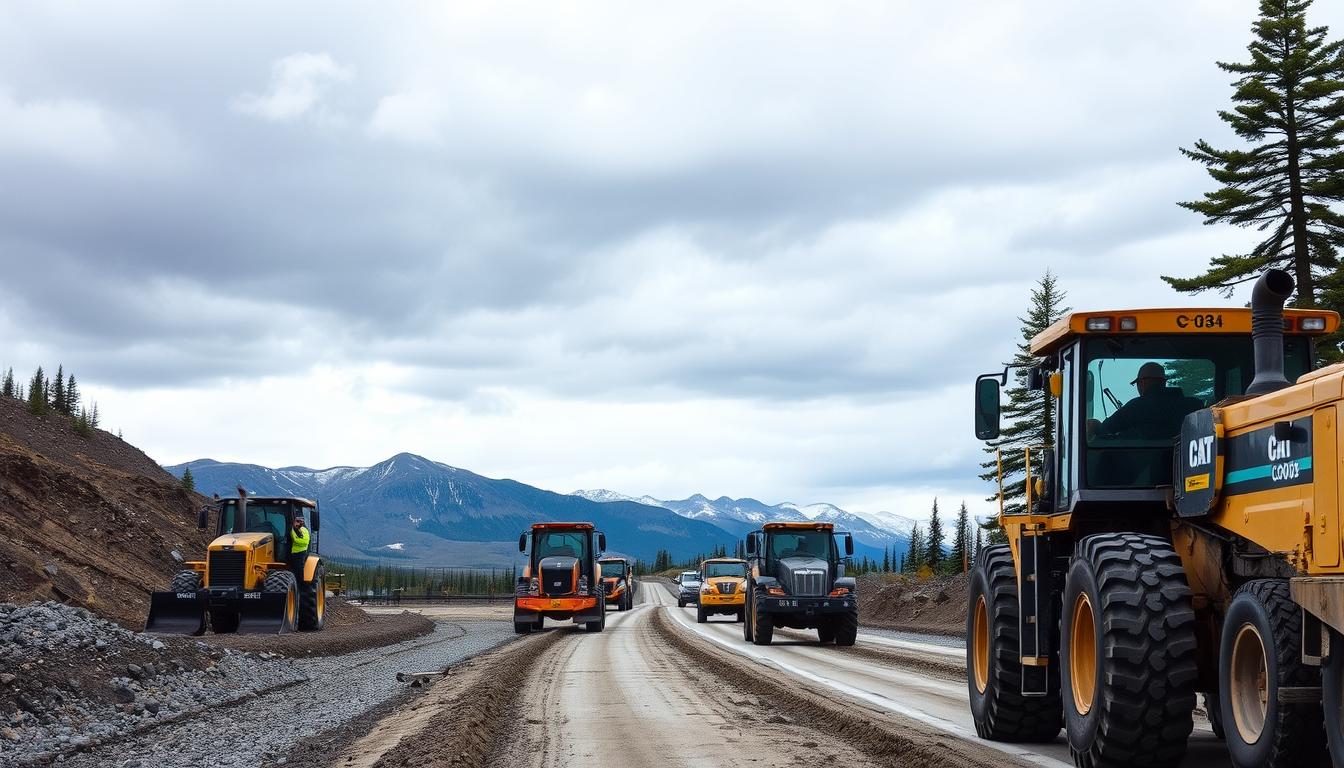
(935, 607)
(90, 521)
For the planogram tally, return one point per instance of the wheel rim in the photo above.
(981, 645)
(321, 599)
(289, 607)
(1249, 683)
(1083, 655)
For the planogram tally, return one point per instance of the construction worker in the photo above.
(298, 547)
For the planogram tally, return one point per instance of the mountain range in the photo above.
(414, 511)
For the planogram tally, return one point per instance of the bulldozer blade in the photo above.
(176, 613)
(262, 613)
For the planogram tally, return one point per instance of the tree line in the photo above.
(1284, 180)
(46, 395)
(385, 578)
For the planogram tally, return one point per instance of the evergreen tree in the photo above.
(1289, 109)
(1027, 415)
(58, 402)
(188, 481)
(915, 556)
(71, 396)
(886, 559)
(7, 386)
(93, 418)
(933, 544)
(37, 393)
(961, 541)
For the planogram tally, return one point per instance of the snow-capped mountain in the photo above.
(738, 516)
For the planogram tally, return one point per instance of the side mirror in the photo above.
(203, 518)
(849, 545)
(317, 520)
(1035, 379)
(751, 546)
(522, 542)
(987, 407)
(602, 541)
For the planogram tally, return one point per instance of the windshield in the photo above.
(613, 570)
(689, 576)
(1139, 389)
(714, 570)
(561, 544)
(801, 544)
(260, 518)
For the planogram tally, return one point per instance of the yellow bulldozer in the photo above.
(1181, 535)
(246, 583)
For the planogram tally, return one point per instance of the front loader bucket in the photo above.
(176, 613)
(263, 613)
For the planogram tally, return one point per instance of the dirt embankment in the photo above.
(935, 607)
(90, 521)
(348, 629)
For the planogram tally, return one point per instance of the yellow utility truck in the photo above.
(246, 583)
(723, 588)
(1181, 535)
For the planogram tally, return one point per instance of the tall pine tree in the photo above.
(1289, 109)
(7, 386)
(71, 396)
(961, 541)
(58, 402)
(1028, 416)
(915, 556)
(933, 544)
(37, 393)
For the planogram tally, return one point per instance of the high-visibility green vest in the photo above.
(298, 540)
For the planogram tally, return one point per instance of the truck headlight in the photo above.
(583, 585)
(535, 587)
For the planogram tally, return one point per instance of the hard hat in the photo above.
(1150, 371)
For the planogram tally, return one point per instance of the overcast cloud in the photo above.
(746, 249)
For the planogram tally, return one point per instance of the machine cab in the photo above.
(262, 514)
(1120, 384)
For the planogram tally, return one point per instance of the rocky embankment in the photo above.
(933, 606)
(70, 680)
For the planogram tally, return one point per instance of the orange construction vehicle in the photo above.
(562, 579)
(618, 582)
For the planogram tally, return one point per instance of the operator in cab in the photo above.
(298, 547)
(1157, 412)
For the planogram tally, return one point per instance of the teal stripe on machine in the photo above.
(1263, 471)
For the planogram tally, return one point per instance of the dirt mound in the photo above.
(89, 521)
(348, 629)
(935, 607)
(70, 680)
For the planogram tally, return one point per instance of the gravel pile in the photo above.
(70, 680)
(302, 717)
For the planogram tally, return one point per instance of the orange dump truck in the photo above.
(618, 582)
(562, 579)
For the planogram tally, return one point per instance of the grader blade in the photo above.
(263, 613)
(176, 613)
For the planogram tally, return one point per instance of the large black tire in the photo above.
(1213, 710)
(313, 601)
(846, 628)
(600, 624)
(994, 678)
(188, 581)
(1128, 653)
(745, 613)
(700, 616)
(1332, 698)
(681, 603)
(763, 624)
(522, 627)
(1262, 642)
(284, 581)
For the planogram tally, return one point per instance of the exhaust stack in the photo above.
(1267, 298)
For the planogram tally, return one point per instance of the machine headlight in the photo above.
(583, 584)
(535, 587)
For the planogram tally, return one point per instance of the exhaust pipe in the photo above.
(1267, 298)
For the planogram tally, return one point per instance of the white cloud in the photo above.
(84, 134)
(298, 82)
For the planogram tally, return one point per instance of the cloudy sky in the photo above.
(755, 249)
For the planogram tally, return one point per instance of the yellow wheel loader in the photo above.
(247, 583)
(1181, 535)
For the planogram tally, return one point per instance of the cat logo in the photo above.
(556, 583)
(1201, 451)
(1280, 450)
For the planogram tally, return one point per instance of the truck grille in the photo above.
(727, 587)
(557, 581)
(226, 569)
(810, 583)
